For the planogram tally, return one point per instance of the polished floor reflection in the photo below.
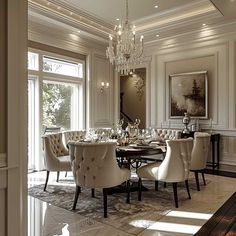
(45, 219)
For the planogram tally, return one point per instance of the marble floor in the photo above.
(46, 220)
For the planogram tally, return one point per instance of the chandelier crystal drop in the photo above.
(127, 53)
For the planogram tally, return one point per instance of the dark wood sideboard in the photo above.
(215, 149)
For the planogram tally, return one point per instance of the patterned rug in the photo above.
(154, 204)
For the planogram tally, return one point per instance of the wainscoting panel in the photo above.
(228, 151)
(103, 99)
(213, 59)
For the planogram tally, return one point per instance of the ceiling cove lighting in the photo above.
(127, 52)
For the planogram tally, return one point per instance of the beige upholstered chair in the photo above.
(73, 135)
(168, 134)
(94, 165)
(200, 153)
(163, 134)
(173, 169)
(56, 156)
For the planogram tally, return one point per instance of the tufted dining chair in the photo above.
(75, 135)
(56, 156)
(173, 169)
(200, 153)
(94, 165)
(167, 134)
(162, 135)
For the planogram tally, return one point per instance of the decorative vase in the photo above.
(186, 121)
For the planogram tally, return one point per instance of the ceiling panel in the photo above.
(95, 19)
(110, 10)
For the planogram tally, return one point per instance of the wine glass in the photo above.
(137, 122)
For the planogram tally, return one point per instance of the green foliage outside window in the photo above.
(57, 105)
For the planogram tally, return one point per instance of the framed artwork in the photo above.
(189, 93)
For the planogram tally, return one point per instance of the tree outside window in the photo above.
(57, 105)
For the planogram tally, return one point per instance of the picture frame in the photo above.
(188, 92)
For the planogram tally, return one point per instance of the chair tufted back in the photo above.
(200, 151)
(176, 165)
(53, 147)
(94, 164)
(74, 135)
(168, 134)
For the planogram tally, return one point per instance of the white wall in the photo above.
(189, 54)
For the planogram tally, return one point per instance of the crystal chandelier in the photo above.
(128, 51)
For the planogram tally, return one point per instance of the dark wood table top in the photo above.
(137, 151)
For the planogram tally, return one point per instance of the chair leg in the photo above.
(197, 180)
(58, 175)
(187, 187)
(77, 191)
(203, 178)
(156, 185)
(175, 194)
(128, 191)
(93, 192)
(139, 189)
(164, 184)
(66, 174)
(46, 182)
(105, 202)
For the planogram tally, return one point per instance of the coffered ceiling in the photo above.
(155, 19)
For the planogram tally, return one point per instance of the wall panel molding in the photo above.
(218, 86)
(217, 53)
(3, 159)
(102, 101)
(228, 150)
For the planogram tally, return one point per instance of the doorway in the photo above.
(133, 97)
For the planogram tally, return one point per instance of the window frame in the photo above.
(41, 76)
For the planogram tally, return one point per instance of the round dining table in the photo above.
(136, 151)
(135, 155)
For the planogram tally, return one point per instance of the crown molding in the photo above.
(84, 15)
(48, 35)
(179, 21)
(64, 15)
(180, 18)
(196, 36)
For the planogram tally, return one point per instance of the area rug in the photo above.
(132, 218)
